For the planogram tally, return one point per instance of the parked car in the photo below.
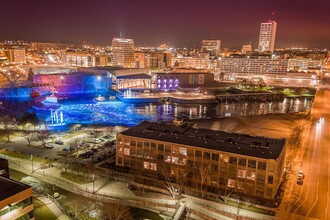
(49, 145)
(65, 149)
(300, 181)
(59, 142)
(301, 174)
(96, 141)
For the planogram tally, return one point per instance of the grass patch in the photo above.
(76, 178)
(251, 208)
(41, 211)
(16, 175)
(24, 156)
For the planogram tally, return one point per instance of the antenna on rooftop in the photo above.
(272, 18)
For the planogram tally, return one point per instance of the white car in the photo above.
(96, 141)
(301, 174)
(49, 145)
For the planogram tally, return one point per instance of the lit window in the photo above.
(126, 151)
(231, 183)
(120, 150)
(250, 175)
(146, 165)
(153, 166)
(183, 151)
(241, 173)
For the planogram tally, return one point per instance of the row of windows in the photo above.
(153, 150)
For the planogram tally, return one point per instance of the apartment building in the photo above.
(252, 165)
(252, 65)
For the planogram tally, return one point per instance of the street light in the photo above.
(31, 158)
(93, 183)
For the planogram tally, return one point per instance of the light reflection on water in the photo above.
(127, 114)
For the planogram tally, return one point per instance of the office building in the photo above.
(16, 55)
(267, 36)
(247, 164)
(212, 47)
(247, 48)
(252, 65)
(103, 60)
(15, 200)
(57, 46)
(303, 65)
(198, 61)
(123, 52)
(78, 59)
(150, 60)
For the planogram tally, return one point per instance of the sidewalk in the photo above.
(106, 191)
(53, 207)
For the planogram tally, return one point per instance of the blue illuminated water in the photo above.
(84, 110)
(88, 112)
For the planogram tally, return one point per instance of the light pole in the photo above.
(237, 207)
(31, 158)
(93, 183)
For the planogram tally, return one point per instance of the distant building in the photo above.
(58, 46)
(247, 48)
(151, 60)
(198, 61)
(16, 55)
(123, 52)
(103, 60)
(15, 200)
(171, 81)
(78, 59)
(251, 165)
(267, 36)
(253, 65)
(212, 47)
(303, 65)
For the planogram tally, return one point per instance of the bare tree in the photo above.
(295, 138)
(76, 144)
(204, 172)
(175, 183)
(8, 124)
(12, 77)
(43, 136)
(29, 135)
(112, 211)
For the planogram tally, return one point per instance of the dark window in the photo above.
(206, 155)
(215, 157)
(270, 179)
(232, 160)
(252, 164)
(242, 162)
(262, 165)
(160, 147)
(198, 153)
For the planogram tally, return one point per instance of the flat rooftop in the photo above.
(10, 187)
(186, 134)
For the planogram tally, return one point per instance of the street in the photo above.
(313, 200)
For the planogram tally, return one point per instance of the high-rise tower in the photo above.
(267, 36)
(123, 52)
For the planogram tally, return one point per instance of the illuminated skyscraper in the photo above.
(123, 52)
(212, 47)
(267, 36)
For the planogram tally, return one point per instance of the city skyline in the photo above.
(152, 23)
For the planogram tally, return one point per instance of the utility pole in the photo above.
(93, 183)
(31, 158)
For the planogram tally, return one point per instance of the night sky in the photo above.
(182, 23)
